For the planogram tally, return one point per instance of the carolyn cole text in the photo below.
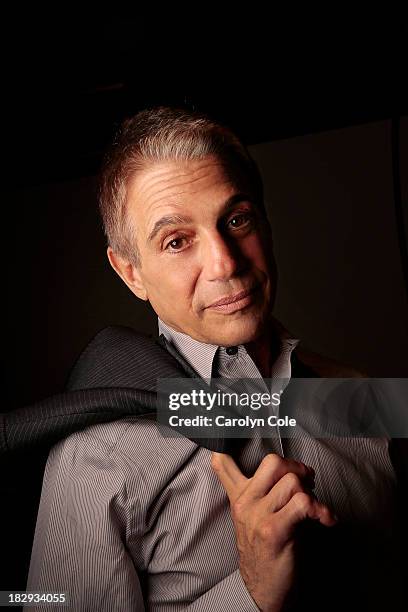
(223, 421)
(222, 398)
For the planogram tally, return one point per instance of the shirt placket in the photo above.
(239, 364)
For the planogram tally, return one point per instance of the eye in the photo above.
(174, 244)
(240, 220)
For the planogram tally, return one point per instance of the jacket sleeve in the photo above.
(79, 542)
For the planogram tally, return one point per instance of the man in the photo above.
(130, 519)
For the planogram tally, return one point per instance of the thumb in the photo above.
(229, 474)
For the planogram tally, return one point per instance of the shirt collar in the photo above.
(200, 355)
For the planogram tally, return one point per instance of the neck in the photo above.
(264, 350)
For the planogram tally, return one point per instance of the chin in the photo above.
(238, 332)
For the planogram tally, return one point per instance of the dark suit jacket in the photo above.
(114, 377)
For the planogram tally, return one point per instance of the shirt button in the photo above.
(232, 350)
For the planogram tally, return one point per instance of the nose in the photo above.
(221, 258)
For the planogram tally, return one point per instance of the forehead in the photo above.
(174, 178)
(173, 182)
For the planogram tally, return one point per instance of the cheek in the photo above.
(258, 253)
(174, 280)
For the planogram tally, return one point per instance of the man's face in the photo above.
(201, 239)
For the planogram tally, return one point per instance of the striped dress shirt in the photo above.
(131, 520)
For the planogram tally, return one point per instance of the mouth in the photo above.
(234, 302)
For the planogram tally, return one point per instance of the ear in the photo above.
(128, 273)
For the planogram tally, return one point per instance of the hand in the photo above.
(265, 510)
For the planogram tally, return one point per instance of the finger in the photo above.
(271, 469)
(284, 490)
(231, 477)
(302, 506)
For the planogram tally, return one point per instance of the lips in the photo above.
(233, 298)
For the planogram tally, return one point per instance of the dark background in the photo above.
(322, 106)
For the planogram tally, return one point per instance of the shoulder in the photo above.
(118, 356)
(327, 367)
(132, 453)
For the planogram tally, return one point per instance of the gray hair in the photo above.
(162, 134)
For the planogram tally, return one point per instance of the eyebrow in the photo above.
(179, 219)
